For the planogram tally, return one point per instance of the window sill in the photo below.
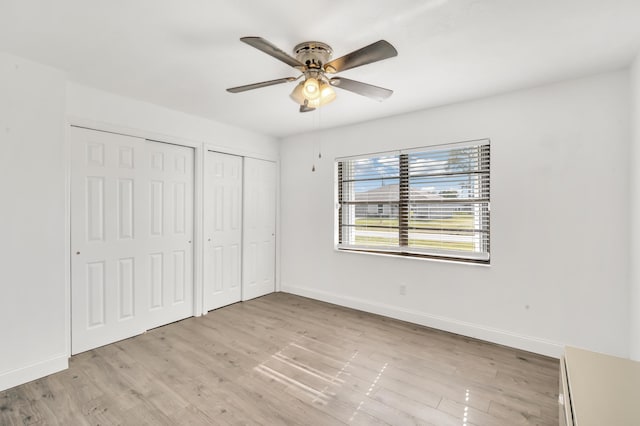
(435, 258)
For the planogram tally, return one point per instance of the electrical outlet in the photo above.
(403, 289)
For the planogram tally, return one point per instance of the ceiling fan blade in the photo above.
(372, 53)
(259, 85)
(304, 108)
(272, 50)
(374, 92)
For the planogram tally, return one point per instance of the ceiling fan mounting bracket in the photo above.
(314, 54)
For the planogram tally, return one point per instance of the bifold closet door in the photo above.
(259, 241)
(223, 230)
(131, 236)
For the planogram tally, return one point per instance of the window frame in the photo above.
(406, 203)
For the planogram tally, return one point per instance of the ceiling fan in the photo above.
(313, 60)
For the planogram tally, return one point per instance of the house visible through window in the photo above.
(428, 202)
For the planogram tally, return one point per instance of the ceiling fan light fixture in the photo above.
(297, 94)
(326, 95)
(311, 89)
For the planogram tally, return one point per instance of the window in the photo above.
(425, 202)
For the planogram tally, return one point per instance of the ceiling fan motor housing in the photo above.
(314, 54)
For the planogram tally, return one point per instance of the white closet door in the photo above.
(223, 230)
(169, 224)
(131, 228)
(105, 235)
(258, 271)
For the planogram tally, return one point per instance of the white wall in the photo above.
(32, 226)
(36, 103)
(99, 107)
(634, 297)
(559, 268)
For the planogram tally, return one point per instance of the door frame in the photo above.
(200, 149)
(207, 146)
(197, 205)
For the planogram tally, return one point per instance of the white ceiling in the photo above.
(183, 54)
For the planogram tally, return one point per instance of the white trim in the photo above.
(434, 147)
(67, 238)
(198, 229)
(128, 131)
(35, 371)
(277, 269)
(205, 188)
(239, 152)
(438, 146)
(369, 155)
(490, 334)
(395, 255)
(403, 251)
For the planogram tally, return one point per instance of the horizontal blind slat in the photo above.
(445, 206)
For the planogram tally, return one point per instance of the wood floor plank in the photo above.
(283, 359)
(424, 413)
(468, 414)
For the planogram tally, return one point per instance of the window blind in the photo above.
(431, 201)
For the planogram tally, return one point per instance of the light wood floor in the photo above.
(283, 359)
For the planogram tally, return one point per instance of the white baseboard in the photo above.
(26, 374)
(494, 335)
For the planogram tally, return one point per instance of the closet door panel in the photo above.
(223, 230)
(131, 236)
(105, 262)
(259, 228)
